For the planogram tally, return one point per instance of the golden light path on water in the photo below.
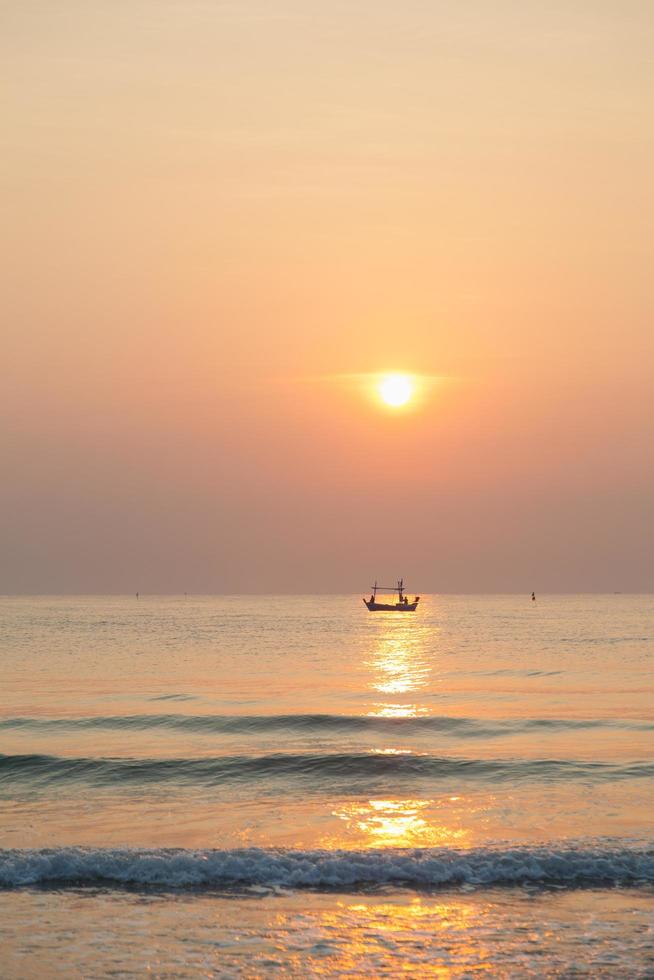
(399, 823)
(401, 667)
(369, 929)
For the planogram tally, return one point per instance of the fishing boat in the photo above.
(402, 604)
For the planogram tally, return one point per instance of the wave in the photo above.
(248, 868)
(173, 697)
(321, 769)
(307, 723)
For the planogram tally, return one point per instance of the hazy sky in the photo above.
(221, 214)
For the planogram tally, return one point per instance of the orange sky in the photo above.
(219, 212)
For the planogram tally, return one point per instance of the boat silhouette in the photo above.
(402, 604)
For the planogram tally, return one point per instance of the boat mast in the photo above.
(399, 588)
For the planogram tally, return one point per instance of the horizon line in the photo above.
(170, 595)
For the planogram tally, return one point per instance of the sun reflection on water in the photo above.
(398, 711)
(368, 937)
(398, 823)
(400, 665)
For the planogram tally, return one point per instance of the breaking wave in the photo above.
(566, 867)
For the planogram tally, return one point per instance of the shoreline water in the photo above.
(598, 933)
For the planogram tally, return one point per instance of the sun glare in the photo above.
(396, 389)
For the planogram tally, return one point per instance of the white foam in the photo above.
(340, 870)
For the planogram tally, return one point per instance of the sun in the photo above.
(395, 389)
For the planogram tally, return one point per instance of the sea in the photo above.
(241, 786)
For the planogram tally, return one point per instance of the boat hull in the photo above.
(388, 607)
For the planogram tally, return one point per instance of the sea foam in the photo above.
(426, 868)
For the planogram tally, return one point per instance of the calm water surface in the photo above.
(241, 786)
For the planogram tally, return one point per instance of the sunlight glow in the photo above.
(397, 711)
(396, 389)
(398, 664)
(399, 823)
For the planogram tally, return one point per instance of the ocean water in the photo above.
(240, 786)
